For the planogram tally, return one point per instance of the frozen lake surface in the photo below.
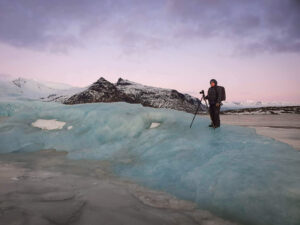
(45, 188)
(282, 127)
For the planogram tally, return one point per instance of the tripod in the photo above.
(199, 103)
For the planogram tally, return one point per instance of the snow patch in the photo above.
(49, 124)
(154, 125)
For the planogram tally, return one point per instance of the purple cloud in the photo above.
(255, 25)
(57, 25)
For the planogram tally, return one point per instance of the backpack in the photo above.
(223, 93)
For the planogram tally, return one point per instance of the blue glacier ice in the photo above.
(231, 171)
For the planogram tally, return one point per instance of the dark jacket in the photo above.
(214, 95)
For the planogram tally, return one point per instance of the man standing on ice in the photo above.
(214, 96)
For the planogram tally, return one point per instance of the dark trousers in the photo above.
(214, 112)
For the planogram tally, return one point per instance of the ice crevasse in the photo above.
(230, 171)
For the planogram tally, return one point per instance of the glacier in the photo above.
(22, 88)
(231, 171)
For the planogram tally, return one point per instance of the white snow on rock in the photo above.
(154, 125)
(70, 127)
(131, 92)
(48, 124)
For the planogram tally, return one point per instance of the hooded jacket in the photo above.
(214, 94)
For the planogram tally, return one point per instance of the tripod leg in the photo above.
(196, 113)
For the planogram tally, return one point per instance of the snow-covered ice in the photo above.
(231, 171)
(154, 125)
(49, 124)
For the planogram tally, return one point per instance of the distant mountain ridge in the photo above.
(124, 90)
(32, 89)
(254, 104)
(131, 92)
(264, 110)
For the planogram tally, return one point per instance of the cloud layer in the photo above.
(57, 25)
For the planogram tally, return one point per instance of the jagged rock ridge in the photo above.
(265, 110)
(131, 92)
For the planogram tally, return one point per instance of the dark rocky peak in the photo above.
(102, 84)
(131, 92)
(101, 80)
(123, 82)
(176, 94)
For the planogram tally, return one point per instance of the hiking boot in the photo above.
(210, 125)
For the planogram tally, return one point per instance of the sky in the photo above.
(252, 47)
